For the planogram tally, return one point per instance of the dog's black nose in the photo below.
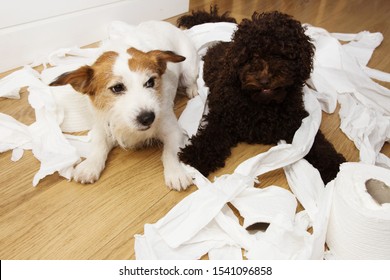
(264, 81)
(146, 118)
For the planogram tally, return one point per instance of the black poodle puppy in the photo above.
(256, 96)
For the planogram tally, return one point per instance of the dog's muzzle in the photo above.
(145, 119)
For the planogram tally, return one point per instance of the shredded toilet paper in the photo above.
(340, 74)
(57, 110)
(203, 222)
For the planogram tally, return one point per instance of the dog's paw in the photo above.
(192, 91)
(177, 178)
(87, 172)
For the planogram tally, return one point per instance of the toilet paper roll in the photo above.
(359, 223)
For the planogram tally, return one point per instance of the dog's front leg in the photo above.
(173, 138)
(209, 148)
(88, 171)
(325, 158)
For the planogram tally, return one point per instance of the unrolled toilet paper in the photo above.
(359, 224)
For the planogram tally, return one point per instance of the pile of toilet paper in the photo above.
(203, 223)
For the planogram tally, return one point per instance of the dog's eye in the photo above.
(118, 88)
(150, 83)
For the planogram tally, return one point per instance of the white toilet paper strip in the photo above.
(368, 128)
(13, 134)
(11, 84)
(49, 145)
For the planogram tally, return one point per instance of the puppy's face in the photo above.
(272, 56)
(126, 88)
(266, 80)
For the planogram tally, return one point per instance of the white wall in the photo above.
(30, 29)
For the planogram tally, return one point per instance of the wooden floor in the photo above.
(65, 220)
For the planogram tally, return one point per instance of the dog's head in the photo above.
(270, 53)
(126, 87)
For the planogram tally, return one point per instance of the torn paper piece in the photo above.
(65, 56)
(192, 115)
(361, 45)
(14, 135)
(151, 245)
(376, 74)
(49, 145)
(74, 55)
(82, 143)
(306, 184)
(10, 85)
(179, 224)
(271, 204)
(279, 243)
(189, 120)
(368, 128)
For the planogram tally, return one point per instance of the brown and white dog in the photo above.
(132, 94)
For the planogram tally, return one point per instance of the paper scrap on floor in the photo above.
(202, 222)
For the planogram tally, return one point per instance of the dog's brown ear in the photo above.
(169, 56)
(155, 60)
(162, 57)
(79, 79)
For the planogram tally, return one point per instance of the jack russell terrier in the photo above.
(132, 93)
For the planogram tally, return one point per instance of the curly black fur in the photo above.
(256, 83)
(199, 17)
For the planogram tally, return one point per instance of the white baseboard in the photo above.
(22, 44)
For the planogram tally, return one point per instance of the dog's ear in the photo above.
(79, 79)
(162, 57)
(169, 56)
(155, 60)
